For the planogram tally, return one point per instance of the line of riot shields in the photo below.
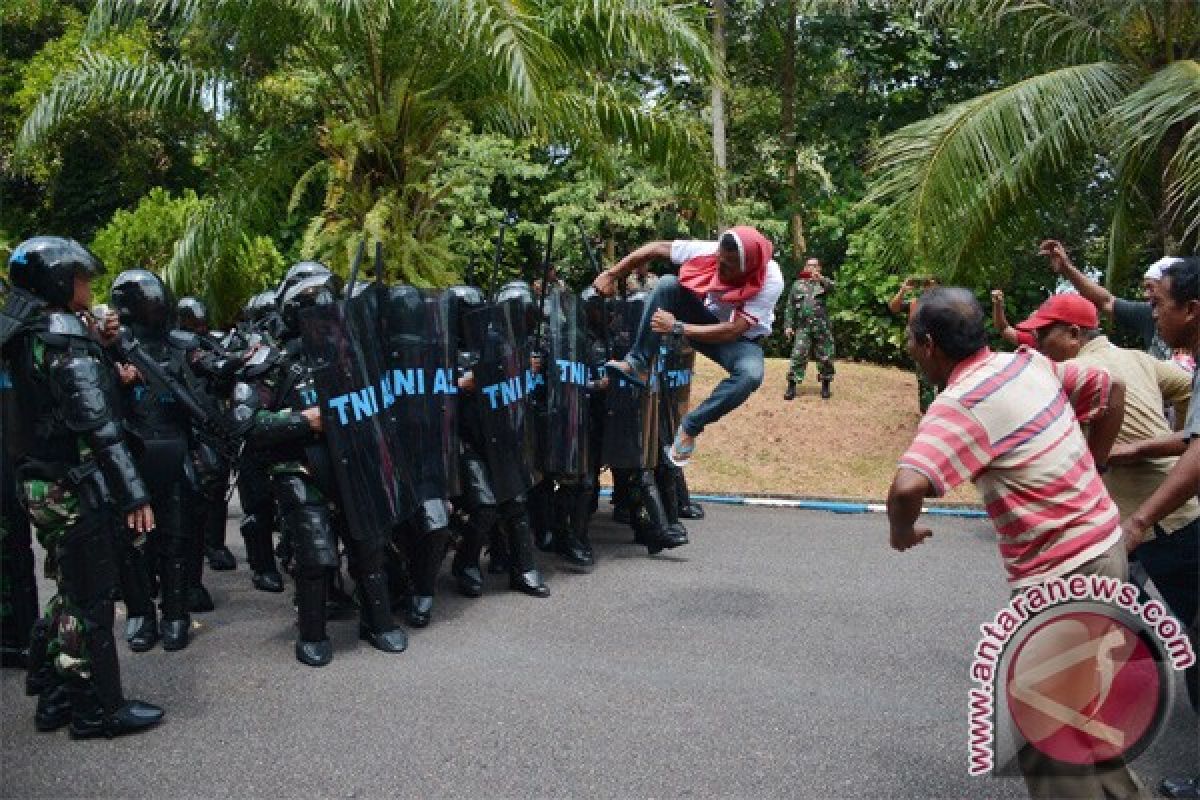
(389, 363)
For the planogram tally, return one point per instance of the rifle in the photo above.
(211, 427)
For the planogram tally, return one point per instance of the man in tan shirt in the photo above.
(1066, 327)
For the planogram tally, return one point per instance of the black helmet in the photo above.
(466, 298)
(519, 293)
(143, 302)
(593, 307)
(260, 305)
(298, 272)
(47, 266)
(315, 290)
(193, 315)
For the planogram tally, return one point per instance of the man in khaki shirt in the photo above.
(1066, 327)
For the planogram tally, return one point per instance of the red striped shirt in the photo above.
(1010, 424)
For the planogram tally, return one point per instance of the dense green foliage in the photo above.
(217, 142)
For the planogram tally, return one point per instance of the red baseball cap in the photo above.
(1071, 309)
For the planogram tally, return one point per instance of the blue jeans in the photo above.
(741, 358)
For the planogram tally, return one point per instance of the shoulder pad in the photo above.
(59, 328)
(64, 323)
(183, 340)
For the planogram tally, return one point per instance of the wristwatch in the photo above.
(677, 328)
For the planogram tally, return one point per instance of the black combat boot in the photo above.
(523, 573)
(664, 478)
(825, 393)
(98, 707)
(53, 709)
(199, 600)
(312, 646)
(141, 624)
(41, 674)
(651, 526)
(465, 567)
(790, 394)
(687, 509)
(375, 625)
(263, 574)
(498, 558)
(176, 623)
(91, 720)
(573, 544)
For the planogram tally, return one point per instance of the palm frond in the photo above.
(1167, 105)
(625, 32)
(146, 85)
(591, 122)
(252, 197)
(1074, 30)
(953, 177)
(506, 36)
(1183, 185)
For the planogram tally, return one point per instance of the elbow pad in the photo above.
(85, 405)
(121, 476)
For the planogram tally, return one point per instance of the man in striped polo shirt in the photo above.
(1010, 423)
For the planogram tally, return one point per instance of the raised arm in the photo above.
(1000, 321)
(1060, 262)
(896, 304)
(606, 281)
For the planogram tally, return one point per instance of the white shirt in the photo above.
(759, 310)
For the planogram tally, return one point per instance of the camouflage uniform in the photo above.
(806, 315)
(18, 583)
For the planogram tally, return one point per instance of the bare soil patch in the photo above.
(844, 447)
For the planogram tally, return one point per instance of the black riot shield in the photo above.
(631, 422)
(503, 382)
(563, 436)
(420, 387)
(676, 365)
(359, 431)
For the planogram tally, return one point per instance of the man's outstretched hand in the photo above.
(1054, 250)
(606, 283)
(905, 540)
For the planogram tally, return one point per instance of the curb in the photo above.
(834, 506)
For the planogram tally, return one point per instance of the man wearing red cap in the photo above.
(1066, 330)
(723, 301)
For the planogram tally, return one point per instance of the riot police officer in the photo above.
(160, 433)
(260, 326)
(497, 460)
(76, 474)
(217, 368)
(287, 432)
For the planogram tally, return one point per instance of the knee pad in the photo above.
(312, 537)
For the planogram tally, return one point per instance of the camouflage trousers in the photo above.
(814, 339)
(53, 510)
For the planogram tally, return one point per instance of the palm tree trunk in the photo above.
(718, 108)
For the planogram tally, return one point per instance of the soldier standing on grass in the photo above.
(807, 320)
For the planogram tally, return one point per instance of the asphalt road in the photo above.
(781, 654)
